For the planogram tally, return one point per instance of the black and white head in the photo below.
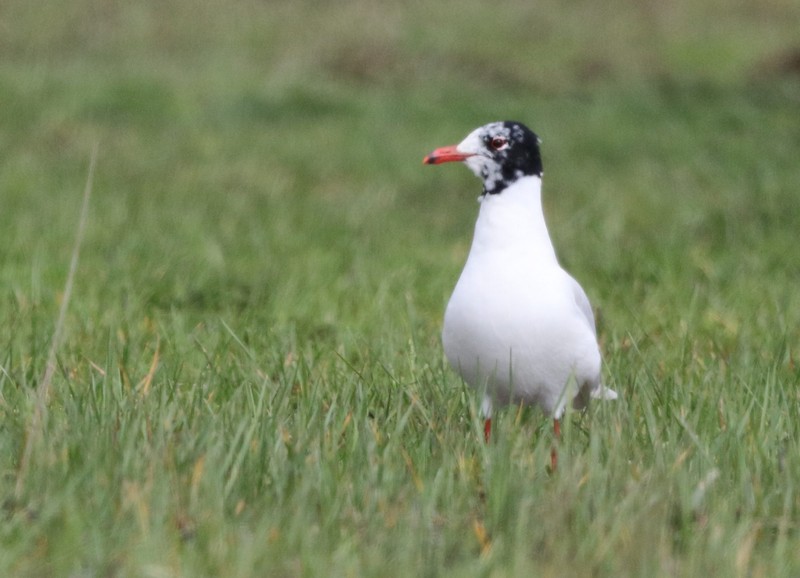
(498, 153)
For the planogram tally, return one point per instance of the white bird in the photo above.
(518, 328)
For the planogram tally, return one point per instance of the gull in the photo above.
(518, 328)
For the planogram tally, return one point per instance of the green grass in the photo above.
(251, 382)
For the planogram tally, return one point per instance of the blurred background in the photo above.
(261, 161)
(253, 152)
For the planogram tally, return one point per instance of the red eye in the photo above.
(498, 143)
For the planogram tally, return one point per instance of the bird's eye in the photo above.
(498, 143)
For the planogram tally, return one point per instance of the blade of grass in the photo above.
(42, 392)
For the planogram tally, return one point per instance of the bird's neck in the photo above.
(513, 220)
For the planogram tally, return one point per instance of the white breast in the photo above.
(513, 327)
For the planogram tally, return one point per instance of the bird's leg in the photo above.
(553, 451)
(486, 412)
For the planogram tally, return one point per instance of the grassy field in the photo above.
(250, 381)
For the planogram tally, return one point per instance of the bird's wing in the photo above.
(582, 301)
(599, 391)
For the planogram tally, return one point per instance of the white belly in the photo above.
(520, 342)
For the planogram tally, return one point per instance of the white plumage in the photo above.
(518, 328)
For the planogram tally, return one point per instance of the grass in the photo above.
(250, 380)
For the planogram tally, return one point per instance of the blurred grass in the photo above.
(252, 382)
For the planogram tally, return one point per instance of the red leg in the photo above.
(553, 452)
(487, 429)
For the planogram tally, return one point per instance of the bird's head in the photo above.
(499, 153)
